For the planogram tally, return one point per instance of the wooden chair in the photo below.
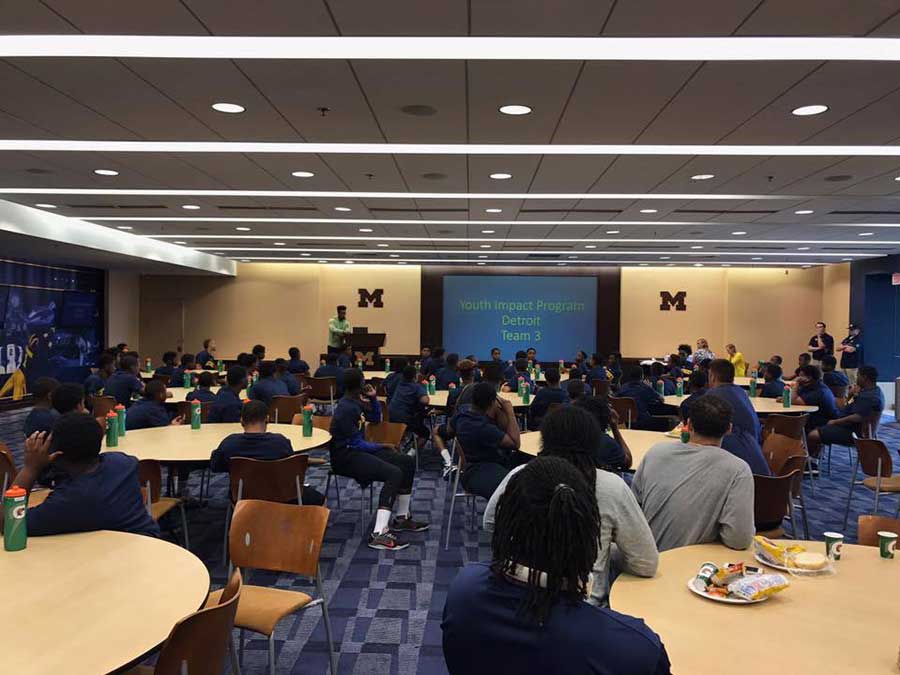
(102, 406)
(795, 464)
(870, 526)
(165, 379)
(792, 426)
(278, 480)
(150, 478)
(183, 409)
(197, 644)
(321, 389)
(283, 408)
(600, 387)
(457, 493)
(873, 457)
(777, 448)
(771, 503)
(385, 432)
(279, 538)
(868, 429)
(626, 409)
(7, 467)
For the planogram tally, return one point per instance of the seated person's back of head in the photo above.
(68, 398)
(575, 388)
(42, 415)
(150, 411)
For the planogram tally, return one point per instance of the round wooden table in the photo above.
(96, 601)
(762, 406)
(745, 381)
(149, 376)
(183, 444)
(846, 623)
(639, 442)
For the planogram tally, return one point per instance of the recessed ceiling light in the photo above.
(738, 233)
(562, 264)
(807, 110)
(897, 178)
(803, 248)
(847, 259)
(245, 260)
(804, 212)
(342, 209)
(383, 245)
(501, 176)
(866, 234)
(348, 262)
(724, 265)
(493, 210)
(46, 206)
(488, 231)
(698, 264)
(218, 253)
(322, 262)
(106, 172)
(806, 267)
(703, 176)
(401, 262)
(573, 257)
(613, 232)
(482, 256)
(124, 227)
(243, 229)
(394, 255)
(515, 109)
(665, 257)
(590, 246)
(279, 243)
(696, 248)
(365, 229)
(190, 207)
(485, 246)
(302, 174)
(180, 242)
(305, 255)
(670, 264)
(756, 258)
(649, 211)
(481, 263)
(232, 108)
(643, 264)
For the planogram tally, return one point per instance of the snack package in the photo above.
(775, 552)
(758, 586)
(727, 573)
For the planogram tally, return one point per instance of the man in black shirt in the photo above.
(851, 352)
(821, 344)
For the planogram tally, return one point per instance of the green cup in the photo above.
(887, 542)
(834, 543)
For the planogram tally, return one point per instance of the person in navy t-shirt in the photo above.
(287, 378)
(188, 364)
(808, 389)
(124, 384)
(448, 374)
(268, 385)
(206, 358)
(295, 364)
(408, 404)
(203, 393)
(395, 377)
(774, 385)
(597, 370)
(227, 405)
(150, 411)
(100, 492)
(545, 397)
(95, 382)
(42, 416)
(865, 408)
(529, 604)
(646, 399)
(520, 370)
(168, 366)
(331, 369)
(830, 376)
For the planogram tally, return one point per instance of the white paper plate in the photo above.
(768, 563)
(727, 601)
(829, 569)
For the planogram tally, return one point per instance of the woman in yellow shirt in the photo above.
(737, 360)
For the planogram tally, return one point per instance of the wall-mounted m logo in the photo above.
(667, 301)
(373, 298)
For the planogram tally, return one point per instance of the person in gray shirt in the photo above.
(696, 492)
(626, 541)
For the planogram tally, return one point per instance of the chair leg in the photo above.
(241, 645)
(337, 490)
(850, 493)
(225, 542)
(828, 456)
(272, 653)
(452, 505)
(803, 512)
(331, 657)
(184, 528)
(233, 657)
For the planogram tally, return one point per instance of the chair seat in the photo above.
(777, 533)
(139, 670)
(163, 506)
(261, 607)
(891, 484)
(317, 461)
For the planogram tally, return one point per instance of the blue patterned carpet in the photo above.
(386, 608)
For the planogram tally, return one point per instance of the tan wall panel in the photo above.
(836, 299)
(123, 308)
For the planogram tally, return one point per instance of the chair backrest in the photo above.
(271, 480)
(795, 464)
(839, 392)
(771, 498)
(7, 467)
(102, 405)
(283, 408)
(277, 537)
(385, 432)
(198, 643)
(184, 410)
(462, 456)
(163, 378)
(322, 422)
(150, 478)
(777, 448)
(791, 426)
(600, 387)
(869, 427)
(321, 388)
(626, 409)
(870, 526)
(874, 458)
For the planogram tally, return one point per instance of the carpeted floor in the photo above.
(386, 608)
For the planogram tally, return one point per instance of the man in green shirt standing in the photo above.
(338, 329)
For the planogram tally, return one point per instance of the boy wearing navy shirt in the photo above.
(203, 393)
(295, 364)
(150, 411)
(866, 404)
(95, 382)
(511, 368)
(42, 416)
(286, 377)
(545, 397)
(448, 373)
(168, 366)
(645, 397)
(519, 370)
(207, 356)
(353, 456)
(830, 376)
(774, 385)
(187, 366)
(408, 403)
(657, 374)
(345, 357)
(597, 370)
(395, 377)
(101, 492)
(809, 389)
(331, 369)
(257, 443)
(124, 384)
(227, 405)
(435, 363)
(268, 385)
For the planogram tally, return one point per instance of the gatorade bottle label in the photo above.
(679, 387)
(186, 380)
(15, 505)
(112, 430)
(195, 415)
(120, 418)
(786, 397)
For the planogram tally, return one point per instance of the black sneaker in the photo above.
(408, 525)
(386, 541)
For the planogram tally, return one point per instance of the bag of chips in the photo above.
(758, 586)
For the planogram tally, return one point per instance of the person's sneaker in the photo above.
(448, 471)
(408, 525)
(386, 541)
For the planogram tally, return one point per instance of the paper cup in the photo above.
(834, 544)
(887, 542)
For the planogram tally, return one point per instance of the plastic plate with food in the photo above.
(792, 558)
(736, 583)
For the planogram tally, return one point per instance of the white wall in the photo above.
(123, 308)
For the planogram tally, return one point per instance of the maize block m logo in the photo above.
(373, 298)
(667, 301)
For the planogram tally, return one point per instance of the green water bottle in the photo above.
(359, 365)
(221, 366)
(148, 366)
(307, 421)
(521, 381)
(786, 397)
(526, 394)
(753, 377)
(685, 434)
(186, 380)
(112, 430)
(679, 387)
(15, 505)
(249, 387)
(660, 388)
(537, 372)
(562, 365)
(195, 414)
(120, 419)
(431, 385)
(387, 365)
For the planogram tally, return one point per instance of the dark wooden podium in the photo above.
(367, 344)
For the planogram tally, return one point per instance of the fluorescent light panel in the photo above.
(259, 147)
(555, 252)
(455, 48)
(469, 261)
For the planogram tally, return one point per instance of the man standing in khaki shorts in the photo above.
(851, 352)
